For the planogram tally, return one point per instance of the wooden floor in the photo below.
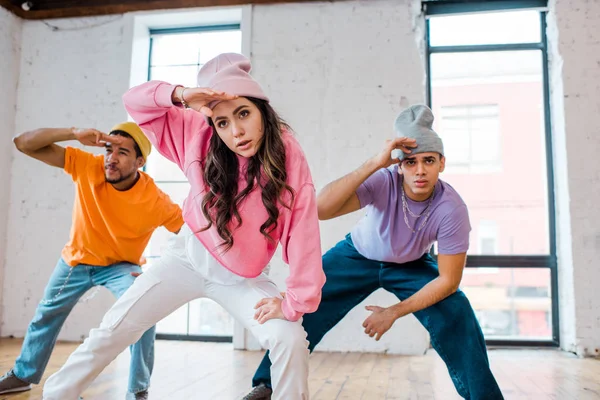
(198, 371)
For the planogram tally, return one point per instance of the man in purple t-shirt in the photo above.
(407, 209)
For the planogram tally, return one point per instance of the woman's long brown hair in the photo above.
(265, 169)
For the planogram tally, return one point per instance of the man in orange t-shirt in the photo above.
(117, 208)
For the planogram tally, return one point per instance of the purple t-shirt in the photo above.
(382, 233)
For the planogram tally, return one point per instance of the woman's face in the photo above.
(239, 125)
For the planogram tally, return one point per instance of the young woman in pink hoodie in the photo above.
(251, 189)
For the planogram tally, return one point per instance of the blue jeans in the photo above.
(454, 330)
(54, 309)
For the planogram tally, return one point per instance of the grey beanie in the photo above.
(416, 123)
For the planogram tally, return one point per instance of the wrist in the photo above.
(396, 311)
(176, 96)
(179, 96)
(70, 133)
(371, 166)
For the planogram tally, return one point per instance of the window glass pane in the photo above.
(487, 233)
(481, 68)
(161, 169)
(176, 58)
(158, 243)
(212, 44)
(175, 323)
(457, 147)
(175, 49)
(490, 114)
(511, 303)
(177, 191)
(471, 135)
(209, 318)
(485, 28)
(485, 141)
(177, 75)
(187, 49)
(488, 245)
(161, 236)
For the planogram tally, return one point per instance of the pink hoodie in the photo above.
(183, 137)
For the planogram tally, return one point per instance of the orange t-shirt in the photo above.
(111, 226)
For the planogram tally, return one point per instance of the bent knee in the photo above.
(287, 334)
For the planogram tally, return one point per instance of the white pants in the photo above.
(162, 289)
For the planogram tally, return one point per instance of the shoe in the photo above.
(143, 395)
(260, 392)
(9, 383)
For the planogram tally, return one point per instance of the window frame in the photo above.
(433, 8)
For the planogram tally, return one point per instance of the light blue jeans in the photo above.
(54, 309)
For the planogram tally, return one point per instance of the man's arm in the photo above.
(339, 197)
(172, 216)
(41, 143)
(451, 268)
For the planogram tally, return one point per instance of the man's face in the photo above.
(421, 172)
(121, 161)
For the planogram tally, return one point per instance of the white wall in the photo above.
(10, 48)
(73, 76)
(575, 76)
(337, 72)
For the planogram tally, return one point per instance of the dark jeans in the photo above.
(454, 330)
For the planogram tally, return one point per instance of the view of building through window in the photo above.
(489, 108)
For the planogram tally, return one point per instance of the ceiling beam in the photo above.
(12, 8)
(81, 10)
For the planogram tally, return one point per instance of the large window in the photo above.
(175, 57)
(488, 87)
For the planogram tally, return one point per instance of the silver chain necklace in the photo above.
(426, 211)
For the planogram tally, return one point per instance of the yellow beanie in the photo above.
(136, 134)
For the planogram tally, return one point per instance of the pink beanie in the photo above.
(229, 73)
